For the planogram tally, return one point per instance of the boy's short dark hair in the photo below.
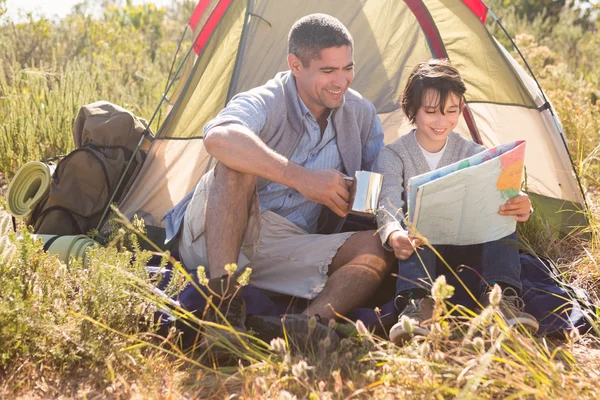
(315, 32)
(436, 74)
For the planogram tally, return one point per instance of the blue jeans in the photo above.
(499, 262)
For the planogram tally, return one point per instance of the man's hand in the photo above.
(327, 187)
(403, 244)
(519, 206)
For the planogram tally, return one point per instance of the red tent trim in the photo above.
(197, 14)
(211, 24)
(478, 8)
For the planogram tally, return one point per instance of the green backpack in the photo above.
(84, 181)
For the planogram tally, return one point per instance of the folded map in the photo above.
(458, 204)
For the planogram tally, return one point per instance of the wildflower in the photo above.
(231, 268)
(361, 328)
(441, 290)
(322, 386)
(278, 345)
(371, 375)
(559, 366)
(299, 369)
(285, 395)
(478, 344)
(495, 296)
(244, 278)
(326, 342)
(439, 356)
(312, 323)
(424, 349)
(574, 334)
(408, 323)
(331, 323)
(202, 278)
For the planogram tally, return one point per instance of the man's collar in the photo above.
(305, 109)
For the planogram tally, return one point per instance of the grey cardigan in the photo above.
(400, 161)
(353, 121)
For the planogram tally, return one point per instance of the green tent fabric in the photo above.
(29, 185)
(67, 246)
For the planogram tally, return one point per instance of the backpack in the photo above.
(106, 136)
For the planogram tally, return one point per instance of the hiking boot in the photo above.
(302, 333)
(232, 308)
(418, 310)
(511, 308)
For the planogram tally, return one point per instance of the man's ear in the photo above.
(294, 63)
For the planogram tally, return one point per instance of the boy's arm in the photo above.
(390, 213)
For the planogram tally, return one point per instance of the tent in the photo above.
(240, 44)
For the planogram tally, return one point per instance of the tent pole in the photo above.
(545, 106)
(147, 132)
(240, 53)
(173, 63)
(238, 62)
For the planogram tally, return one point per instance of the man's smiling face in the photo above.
(324, 81)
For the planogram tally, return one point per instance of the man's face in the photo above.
(323, 83)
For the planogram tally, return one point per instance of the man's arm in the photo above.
(242, 150)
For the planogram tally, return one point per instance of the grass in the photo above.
(75, 332)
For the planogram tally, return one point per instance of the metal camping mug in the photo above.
(364, 194)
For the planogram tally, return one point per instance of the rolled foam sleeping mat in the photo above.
(29, 185)
(67, 246)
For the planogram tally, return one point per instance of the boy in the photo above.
(432, 101)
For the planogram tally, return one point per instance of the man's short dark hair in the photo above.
(315, 32)
(437, 74)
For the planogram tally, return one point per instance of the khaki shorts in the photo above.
(284, 258)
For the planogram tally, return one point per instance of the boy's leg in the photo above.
(413, 286)
(502, 266)
(417, 273)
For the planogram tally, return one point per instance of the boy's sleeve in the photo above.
(390, 214)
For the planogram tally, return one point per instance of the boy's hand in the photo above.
(519, 206)
(403, 244)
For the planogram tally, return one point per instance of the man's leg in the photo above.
(228, 210)
(355, 272)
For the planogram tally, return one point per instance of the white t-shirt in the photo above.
(433, 159)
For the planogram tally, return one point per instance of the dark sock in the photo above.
(487, 287)
(416, 293)
(403, 297)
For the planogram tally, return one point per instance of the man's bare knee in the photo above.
(364, 248)
(225, 176)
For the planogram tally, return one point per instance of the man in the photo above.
(283, 150)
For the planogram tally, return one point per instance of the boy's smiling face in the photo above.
(433, 126)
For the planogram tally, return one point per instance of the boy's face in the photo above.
(323, 83)
(433, 127)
